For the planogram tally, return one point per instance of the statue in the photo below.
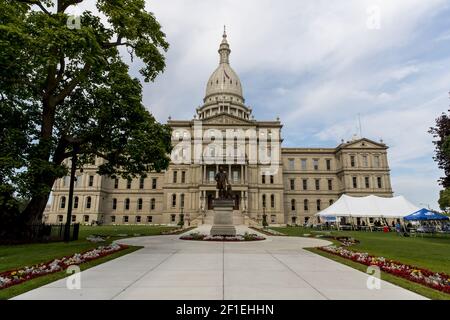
(223, 185)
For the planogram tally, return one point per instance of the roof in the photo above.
(369, 206)
(425, 214)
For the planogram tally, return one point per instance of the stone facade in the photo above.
(297, 183)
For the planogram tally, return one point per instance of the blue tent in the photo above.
(424, 215)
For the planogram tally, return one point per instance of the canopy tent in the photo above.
(425, 215)
(369, 206)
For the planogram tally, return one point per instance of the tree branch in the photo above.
(72, 84)
(38, 3)
(64, 4)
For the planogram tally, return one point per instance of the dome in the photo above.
(224, 80)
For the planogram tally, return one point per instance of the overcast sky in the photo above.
(317, 65)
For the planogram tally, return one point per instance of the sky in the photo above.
(319, 66)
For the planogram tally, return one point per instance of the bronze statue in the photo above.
(222, 184)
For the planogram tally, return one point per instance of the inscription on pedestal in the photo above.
(223, 218)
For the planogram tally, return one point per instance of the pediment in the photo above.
(226, 119)
(363, 143)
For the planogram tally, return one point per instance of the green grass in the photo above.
(432, 253)
(17, 256)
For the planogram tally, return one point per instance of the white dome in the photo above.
(224, 80)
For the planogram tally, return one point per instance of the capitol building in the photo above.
(289, 188)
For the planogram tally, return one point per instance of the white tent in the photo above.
(369, 207)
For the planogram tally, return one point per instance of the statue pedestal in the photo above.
(223, 218)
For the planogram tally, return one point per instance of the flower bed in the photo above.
(13, 277)
(203, 237)
(438, 281)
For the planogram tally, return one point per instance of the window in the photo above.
(293, 204)
(174, 200)
(317, 184)
(305, 184)
(114, 204)
(330, 184)
(264, 200)
(75, 203)
(211, 176)
(129, 184)
(304, 163)
(141, 183)
(306, 219)
(305, 205)
(62, 203)
(331, 202)
(355, 182)
(139, 204)
(352, 161)
(127, 204)
(60, 218)
(183, 176)
(88, 202)
(272, 201)
(380, 185)
(175, 174)
(173, 218)
(138, 219)
(235, 176)
(292, 182)
(74, 218)
(271, 179)
(328, 161)
(116, 183)
(113, 219)
(77, 181)
(125, 219)
(377, 161)
(182, 200)
(273, 218)
(365, 161)
(318, 203)
(367, 181)
(149, 219)
(263, 177)
(291, 164)
(86, 218)
(316, 164)
(91, 181)
(154, 181)
(152, 204)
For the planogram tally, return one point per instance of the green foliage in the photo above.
(63, 87)
(444, 200)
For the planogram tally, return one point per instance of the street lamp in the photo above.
(73, 168)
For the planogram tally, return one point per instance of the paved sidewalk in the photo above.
(169, 268)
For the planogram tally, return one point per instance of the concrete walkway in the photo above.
(169, 268)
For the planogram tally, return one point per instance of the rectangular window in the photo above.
(60, 218)
(174, 200)
(377, 161)
(355, 182)
(91, 181)
(88, 202)
(211, 176)
(183, 176)
(272, 201)
(173, 217)
(271, 180)
(291, 164)
(149, 219)
(273, 218)
(75, 203)
(129, 184)
(365, 161)
(127, 204)
(125, 219)
(182, 201)
(175, 176)
(379, 183)
(263, 179)
(116, 183)
(154, 183)
(304, 164)
(138, 219)
(235, 176)
(316, 164)
(152, 204)
(74, 218)
(352, 161)
(305, 184)
(292, 181)
(367, 181)
(305, 205)
(317, 184)
(139, 204)
(328, 164)
(114, 204)
(86, 218)
(318, 203)
(330, 184)
(141, 183)
(113, 219)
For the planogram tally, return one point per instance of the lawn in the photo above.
(431, 253)
(16, 256)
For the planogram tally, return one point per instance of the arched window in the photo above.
(114, 204)
(88, 202)
(306, 205)
(152, 204)
(272, 201)
(293, 204)
(75, 202)
(62, 203)
(127, 204)
(264, 200)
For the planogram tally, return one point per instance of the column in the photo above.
(230, 178)
(242, 174)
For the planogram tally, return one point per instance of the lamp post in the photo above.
(71, 187)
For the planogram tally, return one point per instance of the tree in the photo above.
(65, 88)
(441, 133)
